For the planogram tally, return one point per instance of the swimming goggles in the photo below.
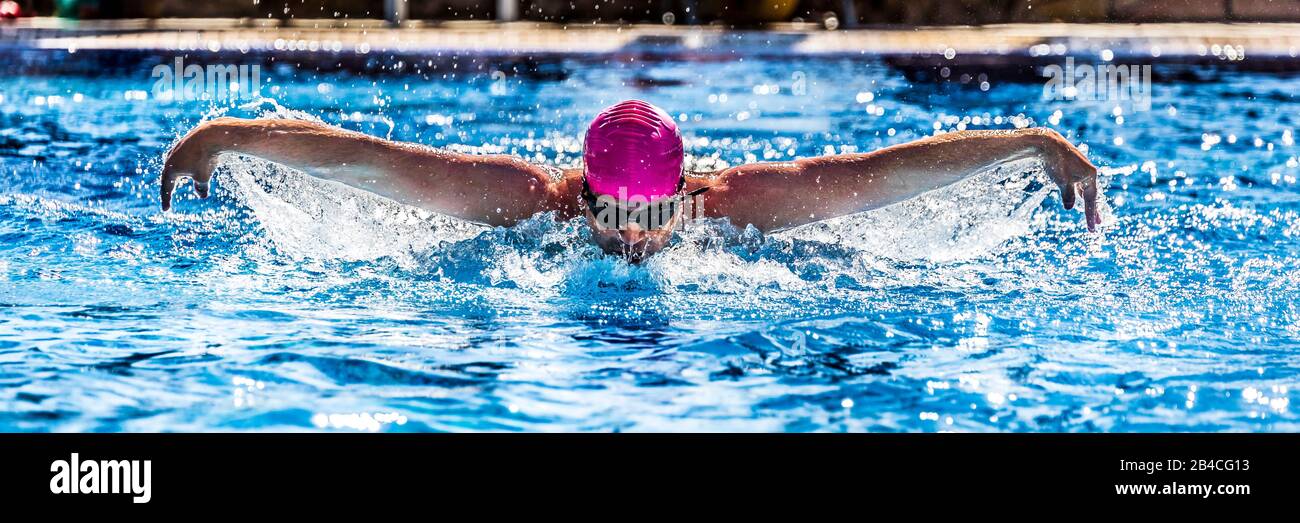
(655, 215)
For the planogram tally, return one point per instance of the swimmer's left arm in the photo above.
(774, 196)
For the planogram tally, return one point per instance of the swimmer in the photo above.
(632, 188)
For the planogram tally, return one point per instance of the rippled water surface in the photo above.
(286, 304)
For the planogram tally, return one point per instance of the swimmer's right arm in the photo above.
(490, 189)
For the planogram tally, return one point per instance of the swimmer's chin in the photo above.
(631, 257)
(633, 254)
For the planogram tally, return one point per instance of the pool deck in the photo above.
(1231, 42)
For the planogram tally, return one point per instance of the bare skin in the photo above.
(503, 189)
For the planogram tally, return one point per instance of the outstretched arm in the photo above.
(775, 196)
(491, 189)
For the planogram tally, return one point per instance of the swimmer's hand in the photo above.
(1074, 174)
(193, 157)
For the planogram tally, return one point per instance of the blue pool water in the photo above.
(285, 304)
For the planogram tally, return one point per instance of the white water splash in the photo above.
(306, 217)
(963, 221)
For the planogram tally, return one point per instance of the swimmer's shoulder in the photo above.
(711, 179)
(566, 180)
(563, 190)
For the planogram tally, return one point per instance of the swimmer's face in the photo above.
(631, 241)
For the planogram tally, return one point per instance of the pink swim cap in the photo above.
(636, 147)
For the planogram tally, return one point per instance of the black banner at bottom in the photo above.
(725, 473)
